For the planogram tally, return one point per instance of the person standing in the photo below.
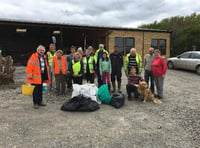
(59, 69)
(89, 66)
(69, 60)
(37, 74)
(98, 55)
(159, 68)
(133, 59)
(105, 69)
(116, 64)
(92, 52)
(76, 69)
(80, 51)
(148, 73)
(50, 54)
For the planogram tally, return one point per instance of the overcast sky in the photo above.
(119, 13)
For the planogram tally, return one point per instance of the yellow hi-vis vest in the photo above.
(90, 63)
(76, 66)
(50, 57)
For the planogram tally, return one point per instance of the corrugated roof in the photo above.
(66, 25)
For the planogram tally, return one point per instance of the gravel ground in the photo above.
(173, 124)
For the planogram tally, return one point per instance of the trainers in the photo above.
(36, 106)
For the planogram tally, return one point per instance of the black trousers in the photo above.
(37, 94)
(149, 75)
(89, 77)
(117, 74)
(78, 80)
(69, 81)
(130, 89)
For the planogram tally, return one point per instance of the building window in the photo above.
(159, 44)
(120, 43)
(124, 44)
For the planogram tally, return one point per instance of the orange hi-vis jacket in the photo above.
(57, 66)
(33, 70)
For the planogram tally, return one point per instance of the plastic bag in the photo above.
(87, 90)
(80, 103)
(104, 94)
(117, 100)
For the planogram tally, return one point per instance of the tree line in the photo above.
(185, 31)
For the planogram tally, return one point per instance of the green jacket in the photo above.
(105, 66)
(96, 55)
(138, 60)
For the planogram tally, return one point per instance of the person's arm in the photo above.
(164, 67)
(145, 62)
(100, 69)
(121, 61)
(82, 68)
(94, 65)
(30, 67)
(126, 65)
(129, 80)
(70, 68)
(96, 56)
(47, 57)
(140, 64)
(66, 64)
(52, 67)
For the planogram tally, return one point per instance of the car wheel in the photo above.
(170, 65)
(198, 70)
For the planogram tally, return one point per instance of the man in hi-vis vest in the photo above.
(50, 54)
(59, 69)
(37, 74)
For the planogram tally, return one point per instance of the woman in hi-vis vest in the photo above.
(76, 69)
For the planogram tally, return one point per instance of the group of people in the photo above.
(80, 64)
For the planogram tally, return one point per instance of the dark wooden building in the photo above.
(20, 38)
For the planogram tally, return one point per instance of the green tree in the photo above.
(185, 31)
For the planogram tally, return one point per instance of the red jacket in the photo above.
(159, 67)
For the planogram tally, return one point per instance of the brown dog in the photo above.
(146, 93)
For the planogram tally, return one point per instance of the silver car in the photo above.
(188, 60)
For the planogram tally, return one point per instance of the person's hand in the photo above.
(93, 71)
(75, 75)
(163, 76)
(136, 85)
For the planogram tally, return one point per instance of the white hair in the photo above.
(80, 49)
(39, 47)
(133, 49)
(101, 45)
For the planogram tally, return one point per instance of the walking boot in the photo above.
(114, 87)
(119, 87)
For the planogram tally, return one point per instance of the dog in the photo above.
(146, 93)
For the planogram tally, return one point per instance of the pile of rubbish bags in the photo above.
(80, 103)
(87, 98)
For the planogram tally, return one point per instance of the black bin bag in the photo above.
(81, 104)
(117, 100)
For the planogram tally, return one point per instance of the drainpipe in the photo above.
(143, 45)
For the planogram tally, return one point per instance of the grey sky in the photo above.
(119, 13)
